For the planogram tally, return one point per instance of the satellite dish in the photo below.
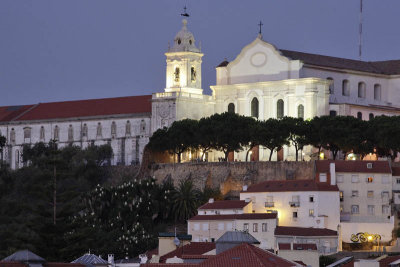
(176, 241)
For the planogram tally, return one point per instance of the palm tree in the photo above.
(185, 200)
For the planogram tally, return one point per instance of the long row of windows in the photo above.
(279, 109)
(361, 92)
(84, 131)
(355, 209)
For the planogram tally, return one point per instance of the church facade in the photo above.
(262, 81)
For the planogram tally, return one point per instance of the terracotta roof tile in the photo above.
(359, 166)
(304, 231)
(388, 260)
(225, 204)
(297, 246)
(245, 216)
(12, 264)
(290, 186)
(79, 108)
(396, 171)
(193, 248)
(301, 263)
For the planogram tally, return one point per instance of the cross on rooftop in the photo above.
(260, 24)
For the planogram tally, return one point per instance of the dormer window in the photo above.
(369, 165)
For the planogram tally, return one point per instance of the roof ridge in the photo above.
(255, 254)
(26, 111)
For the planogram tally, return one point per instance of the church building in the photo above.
(262, 82)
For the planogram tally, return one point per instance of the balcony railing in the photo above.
(269, 204)
(294, 204)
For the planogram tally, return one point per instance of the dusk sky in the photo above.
(53, 50)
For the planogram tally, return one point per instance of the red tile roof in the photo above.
(304, 231)
(290, 186)
(193, 248)
(386, 261)
(396, 171)
(79, 108)
(12, 264)
(241, 255)
(353, 166)
(297, 246)
(245, 216)
(46, 264)
(225, 204)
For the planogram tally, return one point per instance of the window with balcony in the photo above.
(264, 227)
(295, 201)
(355, 209)
(255, 227)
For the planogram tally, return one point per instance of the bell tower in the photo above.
(183, 72)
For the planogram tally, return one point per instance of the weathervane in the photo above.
(184, 14)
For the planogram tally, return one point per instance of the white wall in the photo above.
(383, 229)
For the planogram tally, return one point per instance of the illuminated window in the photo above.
(341, 195)
(370, 180)
(355, 209)
(264, 227)
(255, 227)
(311, 212)
(341, 208)
(370, 194)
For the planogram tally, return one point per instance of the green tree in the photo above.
(205, 136)
(3, 141)
(185, 200)
(181, 136)
(253, 134)
(275, 136)
(297, 129)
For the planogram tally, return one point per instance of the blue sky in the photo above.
(56, 50)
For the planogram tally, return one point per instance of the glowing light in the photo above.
(369, 238)
(321, 155)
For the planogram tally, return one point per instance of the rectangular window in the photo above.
(385, 209)
(385, 179)
(294, 214)
(311, 212)
(371, 209)
(385, 195)
(322, 177)
(341, 195)
(255, 227)
(311, 198)
(246, 227)
(339, 178)
(196, 226)
(354, 179)
(341, 208)
(205, 226)
(220, 226)
(264, 227)
(354, 193)
(295, 201)
(355, 209)
(397, 180)
(370, 194)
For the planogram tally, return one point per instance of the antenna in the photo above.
(360, 31)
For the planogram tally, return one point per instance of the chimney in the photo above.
(245, 188)
(332, 170)
(111, 259)
(247, 200)
(211, 200)
(291, 245)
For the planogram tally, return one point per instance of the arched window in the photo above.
(371, 116)
(361, 89)
(332, 113)
(377, 91)
(231, 108)
(99, 131)
(56, 133)
(27, 133)
(192, 74)
(345, 88)
(113, 129)
(359, 115)
(279, 109)
(176, 74)
(12, 136)
(84, 130)
(128, 128)
(42, 133)
(254, 107)
(300, 111)
(70, 133)
(142, 126)
(331, 86)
